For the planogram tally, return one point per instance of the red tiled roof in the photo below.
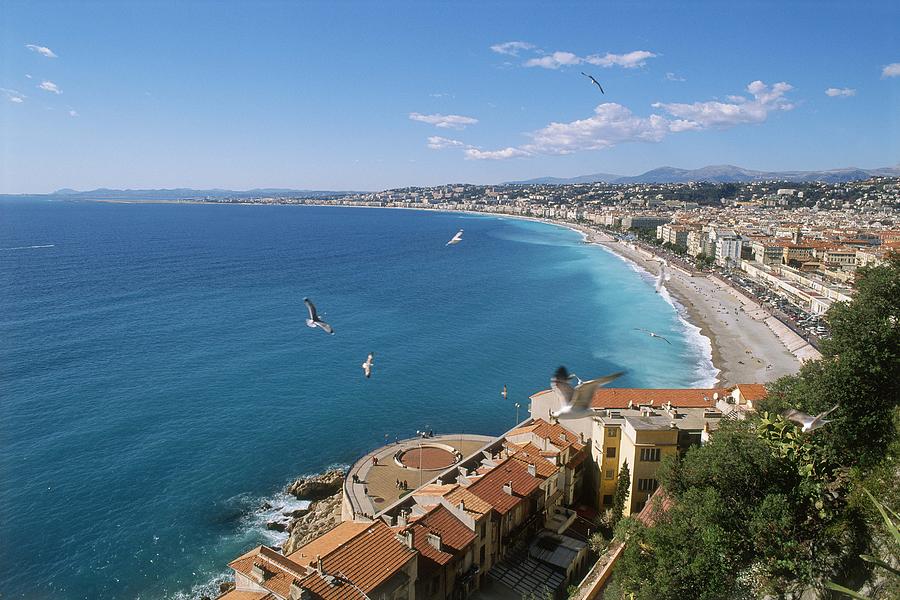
(490, 487)
(657, 505)
(554, 433)
(753, 391)
(245, 595)
(680, 398)
(472, 504)
(532, 455)
(421, 543)
(369, 558)
(454, 533)
(327, 542)
(577, 460)
(333, 589)
(280, 571)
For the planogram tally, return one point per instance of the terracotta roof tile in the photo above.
(531, 455)
(245, 595)
(334, 588)
(680, 398)
(421, 543)
(753, 391)
(490, 487)
(369, 558)
(327, 543)
(472, 504)
(554, 433)
(454, 533)
(280, 571)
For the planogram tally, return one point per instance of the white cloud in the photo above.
(444, 121)
(13, 95)
(511, 48)
(702, 115)
(629, 60)
(674, 77)
(476, 154)
(50, 87)
(840, 92)
(73, 113)
(554, 61)
(42, 50)
(613, 124)
(437, 142)
(891, 70)
(27, 76)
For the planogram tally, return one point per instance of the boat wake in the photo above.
(30, 247)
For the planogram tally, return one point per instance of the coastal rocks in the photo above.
(277, 526)
(317, 487)
(322, 516)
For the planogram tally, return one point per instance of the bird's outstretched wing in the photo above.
(563, 389)
(662, 338)
(795, 416)
(821, 416)
(581, 400)
(642, 329)
(313, 316)
(325, 326)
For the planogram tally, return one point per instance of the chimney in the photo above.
(532, 470)
(410, 539)
(258, 573)
(507, 488)
(439, 481)
(435, 541)
(401, 519)
(462, 506)
(298, 593)
(319, 569)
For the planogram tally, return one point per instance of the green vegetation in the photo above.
(765, 509)
(623, 489)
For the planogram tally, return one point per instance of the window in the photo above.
(607, 499)
(612, 432)
(611, 452)
(610, 473)
(647, 485)
(650, 454)
(481, 558)
(483, 529)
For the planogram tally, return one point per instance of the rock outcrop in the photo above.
(318, 487)
(322, 516)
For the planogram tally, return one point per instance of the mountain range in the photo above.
(721, 174)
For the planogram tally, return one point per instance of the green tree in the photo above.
(623, 490)
(859, 370)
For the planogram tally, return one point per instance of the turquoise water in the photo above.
(158, 380)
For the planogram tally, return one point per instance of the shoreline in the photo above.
(742, 348)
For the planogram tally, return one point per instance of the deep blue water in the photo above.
(157, 378)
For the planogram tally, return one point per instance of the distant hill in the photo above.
(191, 194)
(595, 178)
(722, 174)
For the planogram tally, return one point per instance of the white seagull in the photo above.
(314, 320)
(576, 402)
(809, 422)
(456, 238)
(653, 334)
(367, 366)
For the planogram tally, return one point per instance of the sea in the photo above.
(159, 384)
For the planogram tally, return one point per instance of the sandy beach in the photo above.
(744, 348)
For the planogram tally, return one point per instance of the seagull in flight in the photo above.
(456, 238)
(576, 402)
(809, 422)
(367, 366)
(314, 320)
(595, 81)
(652, 334)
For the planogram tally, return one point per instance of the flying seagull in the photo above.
(595, 81)
(367, 366)
(809, 422)
(456, 238)
(314, 320)
(576, 402)
(652, 334)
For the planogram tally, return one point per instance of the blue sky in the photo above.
(370, 95)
